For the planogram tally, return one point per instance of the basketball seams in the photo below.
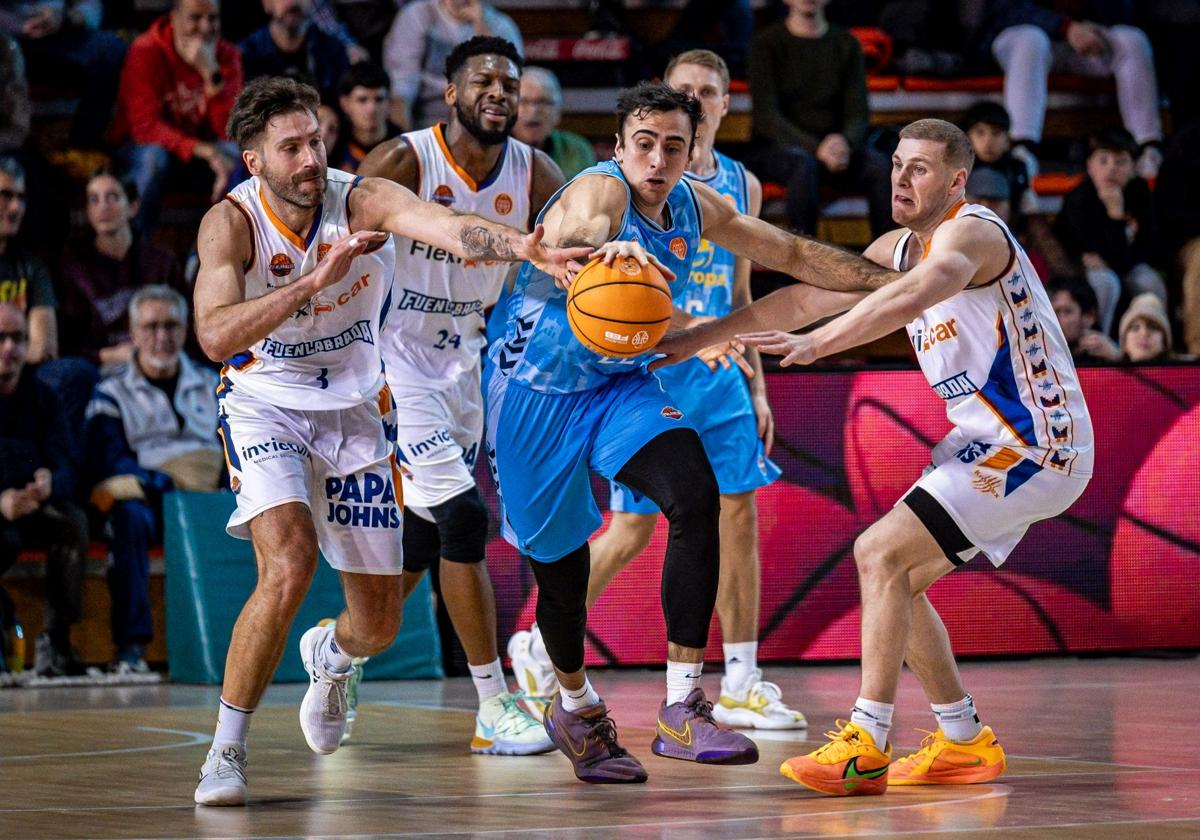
(589, 342)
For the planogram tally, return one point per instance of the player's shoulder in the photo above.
(883, 249)
(394, 159)
(596, 187)
(971, 233)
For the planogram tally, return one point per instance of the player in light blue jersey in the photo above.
(730, 411)
(556, 411)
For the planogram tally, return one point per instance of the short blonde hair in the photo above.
(704, 58)
(957, 146)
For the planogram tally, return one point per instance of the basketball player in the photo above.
(295, 269)
(431, 353)
(1020, 451)
(557, 410)
(733, 418)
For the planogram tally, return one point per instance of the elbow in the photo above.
(214, 346)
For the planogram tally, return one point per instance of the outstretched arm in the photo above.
(964, 251)
(810, 261)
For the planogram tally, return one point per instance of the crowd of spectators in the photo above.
(105, 400)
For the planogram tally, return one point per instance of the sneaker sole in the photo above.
(967, 776)
(746, 719)
(867, 787)
(664, 749)
(481, 747)
(222, 797)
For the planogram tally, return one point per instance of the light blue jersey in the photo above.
(716, 402)
(538, 350)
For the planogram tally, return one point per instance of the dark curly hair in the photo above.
(264, 99)
(647, 97)
(481, 45)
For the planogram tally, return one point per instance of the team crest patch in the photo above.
(640, 338)
(443, 195)
(503, 204)
(281, 265)
(630, 266)
(671, 413)
(322, 250)
(678, 247)
(235, 484)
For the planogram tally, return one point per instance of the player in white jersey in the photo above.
(432, 355)
(1020, 451)
(295, 269)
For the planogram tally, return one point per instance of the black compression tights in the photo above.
(673, 471)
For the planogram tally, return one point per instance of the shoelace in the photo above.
(839, 741)
(336, 703)
(604, 729)
(926, 742)
(514, 720)
(230, 765)
(703, 710)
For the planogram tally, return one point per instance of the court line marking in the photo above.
(194, 739)
(958, 830)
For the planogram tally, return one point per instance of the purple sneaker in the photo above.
(687, 731)
(589, 738)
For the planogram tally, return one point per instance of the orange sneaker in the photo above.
(941, 761)
(849, 765)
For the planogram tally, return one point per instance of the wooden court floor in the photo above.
(1100, 748)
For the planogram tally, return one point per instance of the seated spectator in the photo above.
(16, 110)
(363, 100)
(176, 92)
(37, 486)
(64, 45)
(1179, 213)
(101, 272)
(1145, 330)
(415, 51)
(1074, 303)
(986, 124)
(1107, 223)
(330, 122)
(24, 279)
(1030, 39)
(292, 45)
(149, 430)
(808, 84)
(367, 22)
(538, 116)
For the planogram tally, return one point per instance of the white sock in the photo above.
(874, 717)
(682, 679)
(488, 679)
(232, 723)
(741, 661)
(332, 657)
(537, 647)
(580, 698)
(958, 721)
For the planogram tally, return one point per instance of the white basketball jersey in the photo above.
(997, 356)
(436, 326)
(326, 355)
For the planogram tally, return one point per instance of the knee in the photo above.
(132, 518)
(739, 515)
(1130, 41)
(1023, 44)
(694, 496)
(462, 524)
(876, 559)
(631, 533)
(149, 160)
(286, 575)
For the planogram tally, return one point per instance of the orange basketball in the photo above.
(621, 309)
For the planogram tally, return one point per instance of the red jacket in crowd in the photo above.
(161, 99)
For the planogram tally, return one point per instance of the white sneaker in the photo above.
(351, 685)
(535, 676)
(1149, 162)
(223, 777)
(509, 729)
(323, 710)
(759, 706)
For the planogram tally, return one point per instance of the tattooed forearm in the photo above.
(828, 267)
(483, 244)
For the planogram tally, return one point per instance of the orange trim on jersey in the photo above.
(462, 173)
(286, 231)
(397, 481)
(384, 400)
(1025, 363)
(250, 224)
(950, 214)
(1001, 460)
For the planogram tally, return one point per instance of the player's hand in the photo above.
(560, 263)
(610, 251)
(1099, 345)
(675, 347)
(726, 354)
(795, 349)
(765, 420)
(336, 263)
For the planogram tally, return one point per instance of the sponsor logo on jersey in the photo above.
(443, 195)
(442, 255)
(641, 338)
(268, 450)
(322, 304)
(503, 204)
(281, 265)
(925, 339)
(358, 331)
(419, 302)
(235, 484)
(678, 247)
(971, 451)
(322, 250)
(369, 504)
(630, 266)
(958, 385)
(435, 442)
(671, 413)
